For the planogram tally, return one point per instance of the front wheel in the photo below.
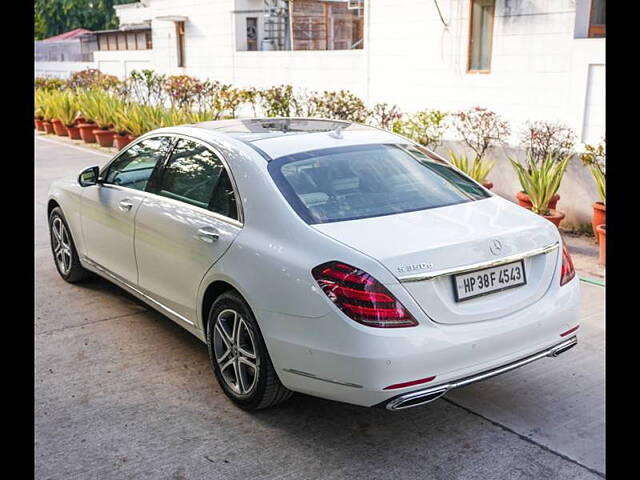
(64, 250)
(239, 357)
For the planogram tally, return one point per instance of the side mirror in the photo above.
(89, 176)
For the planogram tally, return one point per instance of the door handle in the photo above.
(208, 234)
(125, 205)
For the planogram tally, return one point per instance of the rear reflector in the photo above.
(361, 297)
(409, 384)
(570, 331)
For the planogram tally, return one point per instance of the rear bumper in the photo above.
(426, 395)
(335, 358)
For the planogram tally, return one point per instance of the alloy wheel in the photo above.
(61, 245)
(235, 352)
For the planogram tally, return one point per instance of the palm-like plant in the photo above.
(65, 106)
(100, 106)
(45, 104)
(138, 119)
(477, 169)
(599, 177)
(541, 181)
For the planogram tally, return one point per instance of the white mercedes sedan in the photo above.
(322, 257)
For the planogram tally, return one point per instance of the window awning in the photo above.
(172, 18)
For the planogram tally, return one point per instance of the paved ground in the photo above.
(123, 392)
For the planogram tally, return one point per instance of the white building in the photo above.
(525, 59)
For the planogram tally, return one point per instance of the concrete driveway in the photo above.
(123, 392)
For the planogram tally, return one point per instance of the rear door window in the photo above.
(195, 175)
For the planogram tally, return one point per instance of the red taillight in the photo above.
(568, 271)
(361, 297)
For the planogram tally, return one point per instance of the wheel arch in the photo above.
(211, 293)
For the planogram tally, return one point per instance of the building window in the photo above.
(481, 35)
(597, 21)
(132, 40)
(180, 42)
(301, 25)
(252, 33)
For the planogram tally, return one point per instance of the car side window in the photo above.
(134, 167)
(195, 175)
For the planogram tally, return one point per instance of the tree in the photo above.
(53, 17)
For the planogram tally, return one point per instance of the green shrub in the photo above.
(340, 105)
(425, 127)
(595, 159)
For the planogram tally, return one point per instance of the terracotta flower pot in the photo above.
(38, 123)
(104, 137)
(602, 240)
(59, 128)
(74, 133)
(48, 128)
(554, 217)
(523, 200)
(121, 141)
(599, 217)
(86, 132)
(487, 185)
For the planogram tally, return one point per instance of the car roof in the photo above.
(277, 137)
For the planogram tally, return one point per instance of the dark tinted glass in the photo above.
(195, 175)
(364, 181)
(133, 168)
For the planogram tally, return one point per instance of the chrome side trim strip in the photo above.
(315, 377)
(143, 296)
(417, 277)
(433, 393)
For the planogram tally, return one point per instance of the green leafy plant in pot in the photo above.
(594, 158)
(541, 181)
(65, 106)
(102, 107)
(477, 169)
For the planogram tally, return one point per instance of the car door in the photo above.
(184, 225)
(109, 208)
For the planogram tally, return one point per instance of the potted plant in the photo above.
(541, 182)
(478, 169)
(37, 113)
(85, 123)
(481, 130)
(47, 111)
(100, 106)
(65, 108)
(594, 159)
(540, 140)
(121, 136)
(56, 122)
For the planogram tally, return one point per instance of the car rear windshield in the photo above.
(362, 181)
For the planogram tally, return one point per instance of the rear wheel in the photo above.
(64, 250)
(239, 357)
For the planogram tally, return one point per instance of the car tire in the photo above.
(234, 341)
(65, 255)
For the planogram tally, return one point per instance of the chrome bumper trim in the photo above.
(417, 277)
(315, 377)
(433, 393)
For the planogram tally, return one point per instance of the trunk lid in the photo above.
(455, 237)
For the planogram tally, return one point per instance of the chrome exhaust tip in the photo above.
(563, 347)
(416, 398)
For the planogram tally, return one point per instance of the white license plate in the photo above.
(489, 280)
